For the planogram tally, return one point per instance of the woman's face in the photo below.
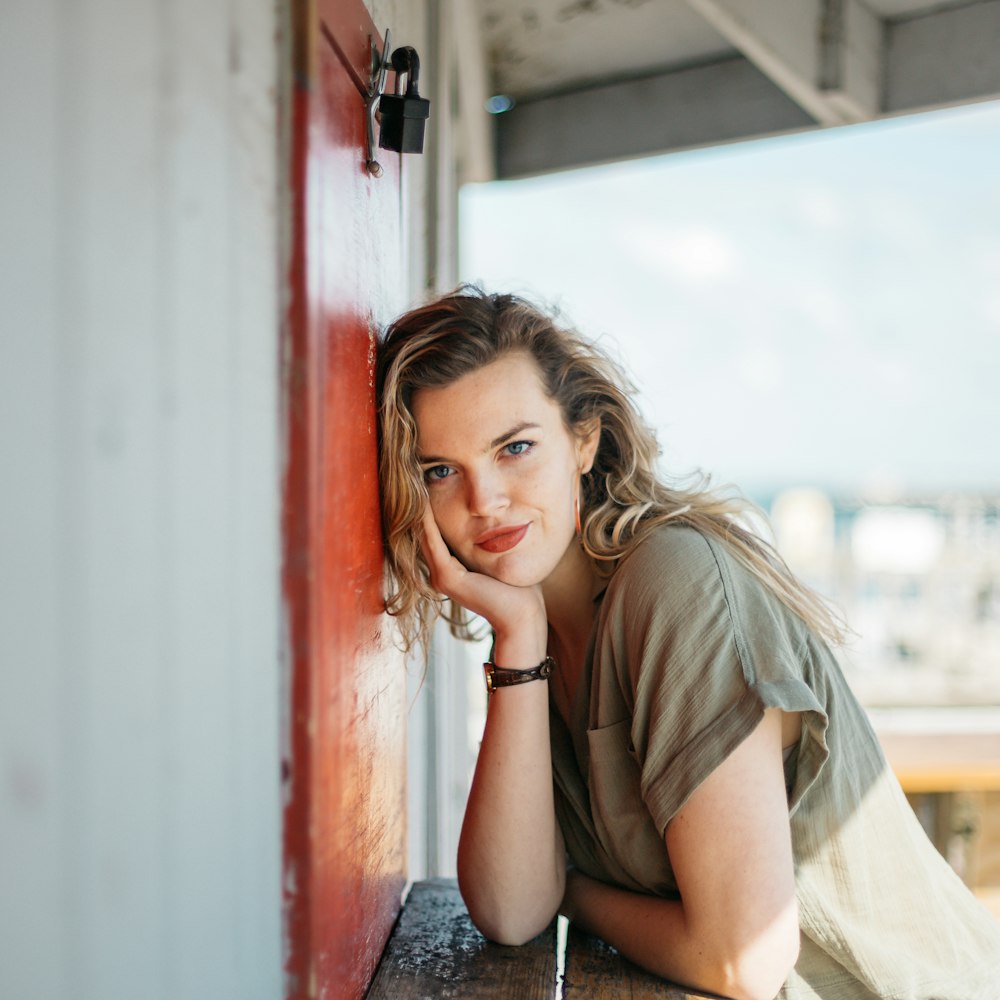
(502, 471)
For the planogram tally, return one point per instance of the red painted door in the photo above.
(345, 772)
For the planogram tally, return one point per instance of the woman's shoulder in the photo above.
(670, 551)
(692, 571)
(673, 569)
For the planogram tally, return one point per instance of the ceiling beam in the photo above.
(827, 55)
(807, 63)
(705, 105)
(945, 57)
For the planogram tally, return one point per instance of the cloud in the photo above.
(820, 208)
(693, 252)
(761, 368)
(991, 311)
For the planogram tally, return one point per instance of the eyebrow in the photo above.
(495, 443)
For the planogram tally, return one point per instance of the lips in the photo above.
(501, 539)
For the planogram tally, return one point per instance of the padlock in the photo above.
(403, 115)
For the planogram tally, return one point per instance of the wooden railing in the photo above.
(436, 952)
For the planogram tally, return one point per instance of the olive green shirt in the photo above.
(687, 652)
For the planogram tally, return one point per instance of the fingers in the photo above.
(450, 577)
(431, 541)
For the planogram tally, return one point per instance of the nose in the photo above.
(486, 493)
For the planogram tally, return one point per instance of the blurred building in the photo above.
(918, 582)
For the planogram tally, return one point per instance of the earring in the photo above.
(576, 513)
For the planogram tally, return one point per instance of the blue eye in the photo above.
(437, 472)
(518, 447)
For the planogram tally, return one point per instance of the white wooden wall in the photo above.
(143, 214)
(140, 600)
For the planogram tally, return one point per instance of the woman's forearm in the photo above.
(511, 860)
(656, 934)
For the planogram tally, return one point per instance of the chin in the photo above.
(516, 573)
(519, 579)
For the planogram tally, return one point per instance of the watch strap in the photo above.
(498, 677)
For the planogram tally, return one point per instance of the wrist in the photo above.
(522, 647)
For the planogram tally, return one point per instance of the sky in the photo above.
(815, 310)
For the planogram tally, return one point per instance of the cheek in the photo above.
(556, 490)
(562, 477)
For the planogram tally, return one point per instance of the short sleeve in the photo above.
(700, 649)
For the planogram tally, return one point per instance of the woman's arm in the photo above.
(735, 930)
(511, 858)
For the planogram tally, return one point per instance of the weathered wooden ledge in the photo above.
(436, 954)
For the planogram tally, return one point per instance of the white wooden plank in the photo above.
(420, 777)
(31, 799)
(254, 319)
(476, 155)
(112, 636)
(198, 452)
(224, 506)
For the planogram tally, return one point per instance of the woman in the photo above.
(671, 756)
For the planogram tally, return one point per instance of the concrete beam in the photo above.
(942, 58)
(825, 54)
(821, 62)
(721, 102)
(852, 59)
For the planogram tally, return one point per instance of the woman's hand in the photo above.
(516, 614)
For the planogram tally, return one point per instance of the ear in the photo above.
(588, 435)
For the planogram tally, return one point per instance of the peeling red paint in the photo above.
(345, 812)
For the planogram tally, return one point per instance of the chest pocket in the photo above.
(622, 822)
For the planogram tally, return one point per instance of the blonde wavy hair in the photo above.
(622, 497)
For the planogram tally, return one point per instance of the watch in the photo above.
(498, 677)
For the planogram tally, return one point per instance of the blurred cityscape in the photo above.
(917, 580)
(918, 583)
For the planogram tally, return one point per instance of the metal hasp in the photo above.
(376, 84)
(404, 115)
